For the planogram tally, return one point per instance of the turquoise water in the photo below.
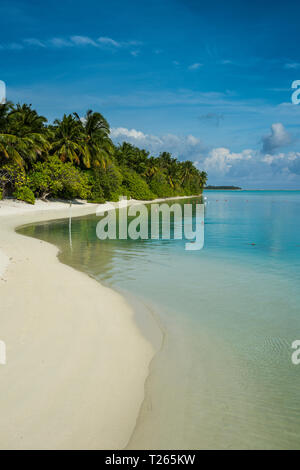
(229, 313)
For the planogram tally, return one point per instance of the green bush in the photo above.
(160, 186)
(25, 194)
(12, 177)
(122, 191)
(136, 187)
(1, 194)
(96, 191)
(54, 178)
(106, 182)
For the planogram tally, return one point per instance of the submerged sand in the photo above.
(76, 359)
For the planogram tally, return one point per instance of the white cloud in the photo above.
(271, 158)
(34, 42)
(183, 147)
(122, 132)
(225, 62)
(108, 42)
(60, 42)
(192, 140)
(288, 157)
(74, 41)
(279, 137)
(83, 41)
(221, 159)
(195, 66)
(286, 164)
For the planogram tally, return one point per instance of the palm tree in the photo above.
(140, 160)
(172, 172)
(187, 171)
(98, 148)
(21, 134)
(152, 167)
(125, 153)
(25, 120)
(12, 149)
(4, 111)
(203, 178)
(68, 140)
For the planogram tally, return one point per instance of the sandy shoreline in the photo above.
(76, 358)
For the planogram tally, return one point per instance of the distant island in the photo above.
(236, 188)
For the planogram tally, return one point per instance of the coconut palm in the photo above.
(172, 172)
(187, 170)
(152, 167)
(21, 134)
(125, 153)
(24, 120)
(203, 178)
(98, 148)
(165, 159)
(68, 140)
(22, 150)
(4, 112)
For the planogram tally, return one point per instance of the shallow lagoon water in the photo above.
(223, 377)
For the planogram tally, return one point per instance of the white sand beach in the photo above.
(76, 359)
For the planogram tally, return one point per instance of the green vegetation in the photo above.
(75, 158)
(53, 178)
(24, 194)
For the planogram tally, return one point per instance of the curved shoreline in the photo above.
(62, 387)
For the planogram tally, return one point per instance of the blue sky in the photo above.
(208, 81)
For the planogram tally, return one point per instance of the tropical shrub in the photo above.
(23, 193)
(159, 185)
(127, 155)
(109, 179)
(96, 190)
(136, 187)
(54, 178)
(122, 192)
(12, 177)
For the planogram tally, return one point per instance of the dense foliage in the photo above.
(75, 158)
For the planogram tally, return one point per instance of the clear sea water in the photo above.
(223, 377)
